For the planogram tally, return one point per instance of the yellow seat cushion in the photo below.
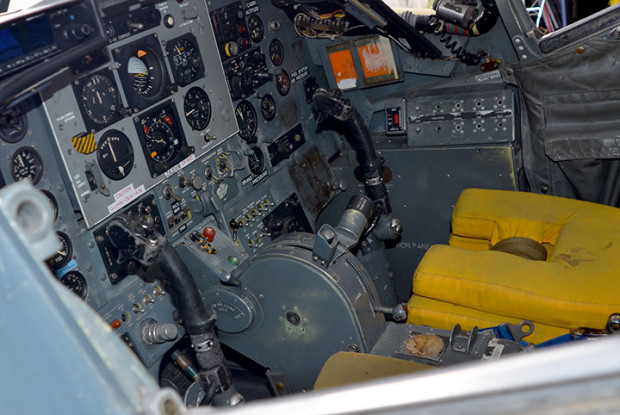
(576, 287)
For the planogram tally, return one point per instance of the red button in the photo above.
(116, 324)
(396, 119)
(209, 233)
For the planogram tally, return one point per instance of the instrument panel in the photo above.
(124, 128)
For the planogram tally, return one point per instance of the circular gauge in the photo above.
(52, 201)
(161, 142)
(115, 155)
(75, 282)
(100, 99)
(63, 255)
(283, 83)
(268, 107)
(276, 52)
(145, 72)
(26, 163)
(197, 108)
(256, 160)
(246, 118)
(256, 28)
(185, 60)
(13, 125)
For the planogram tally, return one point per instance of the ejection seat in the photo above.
(512, 256)
(475, 281)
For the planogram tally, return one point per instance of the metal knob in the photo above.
(156, 333)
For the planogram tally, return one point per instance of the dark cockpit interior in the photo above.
(243, 189)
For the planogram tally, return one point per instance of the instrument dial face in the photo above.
(75, 282)
(145, 73)
(256, 161)
(247, 119)
(13, 125)
(256, 28)
(268, 107)
(276, 52)
(115, 155)
(160, 140)
(63, 255)
(100, 99)
(185, 60)
(197, 108)
(283, 83)
(26, 163)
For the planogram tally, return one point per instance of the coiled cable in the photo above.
(459, 52)
(468, 58)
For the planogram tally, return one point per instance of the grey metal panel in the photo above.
(140, 304)
(425, 186)
(334, 308)
(481, 117)
(607, 18)
(65, 120)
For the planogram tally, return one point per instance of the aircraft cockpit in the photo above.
(206, 203)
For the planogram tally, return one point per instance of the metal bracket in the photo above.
(517, 330)
(278, 383)
(460, 342)
(325, 245)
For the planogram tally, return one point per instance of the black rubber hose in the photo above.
(360, 136)
(200, 325)
(371, 164)
(198, 320)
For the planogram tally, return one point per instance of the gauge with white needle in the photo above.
(26, 163)
(115, 155)
(197, 108)
(63, 254)
(246, 119)
(99, 99)
(185, 59)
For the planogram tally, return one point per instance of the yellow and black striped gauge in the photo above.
(85, 143)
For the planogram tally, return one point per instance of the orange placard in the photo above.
(343, 67)
(377, 60)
